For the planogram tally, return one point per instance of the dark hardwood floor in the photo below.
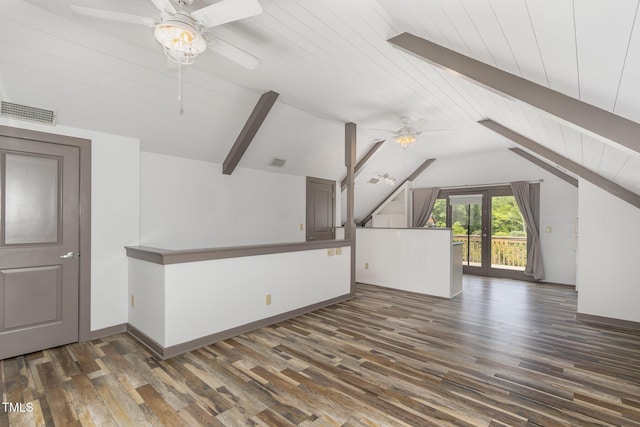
(504, 353)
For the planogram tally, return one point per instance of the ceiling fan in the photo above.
(382, 178)
(181, 32)
(410, 130)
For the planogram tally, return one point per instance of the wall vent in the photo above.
(26, 112)
(277, 163)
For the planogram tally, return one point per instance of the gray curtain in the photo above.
(423, 201)
(534, 268)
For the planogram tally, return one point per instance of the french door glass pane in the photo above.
(438, 214)
(508, 234)
(466, 225)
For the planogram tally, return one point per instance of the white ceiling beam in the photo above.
(552, 156)
(604, 125)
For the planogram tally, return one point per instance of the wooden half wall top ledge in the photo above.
(169, 256)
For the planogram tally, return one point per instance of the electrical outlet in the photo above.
(366, 265)
(133, 301)
(338, 251)
(267, 299)
(301, 227)
(331, 252)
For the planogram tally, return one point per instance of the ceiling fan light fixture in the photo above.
(405, 140)
(387, 179)
(182, 42)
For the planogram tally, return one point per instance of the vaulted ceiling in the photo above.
(331, 63)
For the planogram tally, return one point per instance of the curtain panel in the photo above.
(534, 267)
(423, 201)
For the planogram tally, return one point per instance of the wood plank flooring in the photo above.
(504, 353)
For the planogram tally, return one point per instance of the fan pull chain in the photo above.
(180, 102)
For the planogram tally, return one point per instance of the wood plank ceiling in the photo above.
(331, 63)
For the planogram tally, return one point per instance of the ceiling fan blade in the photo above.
(226, 11)
(113, 16)
(383, 130)
(418, 124)
(164, 6)
(439, 132)
(232, 52)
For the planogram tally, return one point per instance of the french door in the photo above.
(488, 223)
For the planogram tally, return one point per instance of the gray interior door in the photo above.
(320, 209)
(39, 240)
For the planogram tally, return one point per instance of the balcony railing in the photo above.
(506, 252)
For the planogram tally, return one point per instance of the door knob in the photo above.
(67, 256)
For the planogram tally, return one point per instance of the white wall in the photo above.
(558, 201)
(410, 260)
(191, 204)
(115, 204)
(114, 217)
(212, 296)
(558, 210)
(146, 284)
(181, 302)
(608, 280)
